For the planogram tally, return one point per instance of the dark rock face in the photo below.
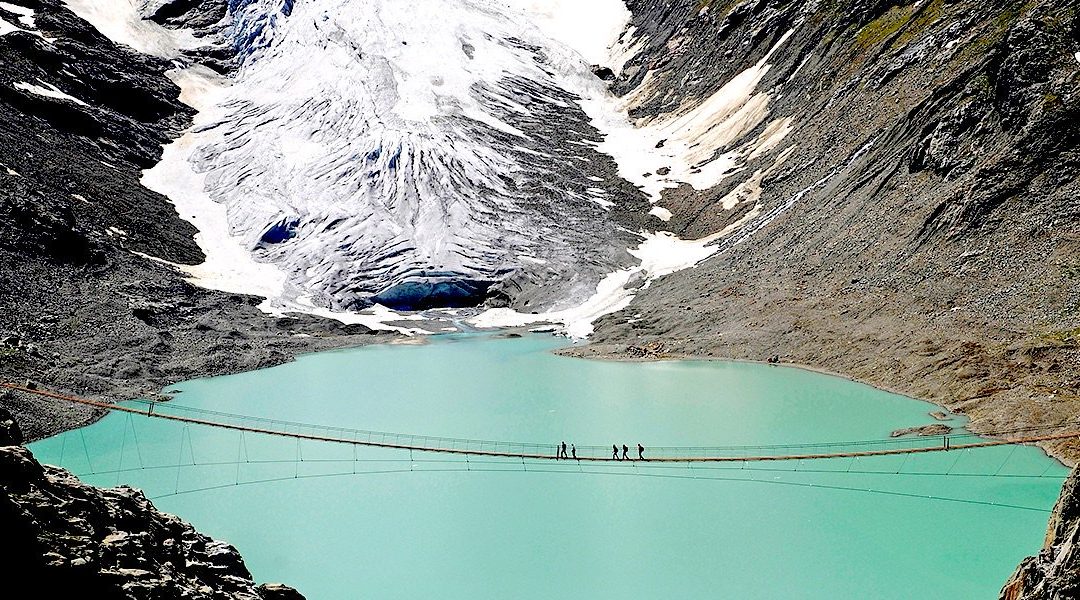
(58, 150)
(62, 537)
(1055, 573)
(10, 434)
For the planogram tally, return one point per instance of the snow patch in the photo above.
(26, 15)
(376, 317)
(121, 22)
(48, 91)
(1077, 56)
(229, 266)
(691, 136)
(627, 47)
(661, 213)
(6, 28)
(661, 253)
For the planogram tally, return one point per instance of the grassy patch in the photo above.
(1065, 337)
(883, 27)
(926, 17)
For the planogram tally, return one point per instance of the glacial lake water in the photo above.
(426, 526)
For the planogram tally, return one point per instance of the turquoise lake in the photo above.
(428, 526)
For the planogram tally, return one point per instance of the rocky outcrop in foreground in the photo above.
(61, 536)
(1055, 572)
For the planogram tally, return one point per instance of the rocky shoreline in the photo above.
(659, 350)
(63, 537)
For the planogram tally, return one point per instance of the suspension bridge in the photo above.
(520, 450)
(463, 454)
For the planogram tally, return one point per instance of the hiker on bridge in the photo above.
(640, 452)
(562, 450)
(625, 452)
(614, 452)
(573, 451)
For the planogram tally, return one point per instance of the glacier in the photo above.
(414, 155)
(352, 156)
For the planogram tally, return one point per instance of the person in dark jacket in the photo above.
(640, 452)
(625, 452)
(614, 452)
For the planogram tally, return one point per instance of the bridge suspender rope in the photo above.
(946, 446)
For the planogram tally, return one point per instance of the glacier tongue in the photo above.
(415, 154)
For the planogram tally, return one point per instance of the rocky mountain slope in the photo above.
(83, 309)
(921, 232)
(65, 538)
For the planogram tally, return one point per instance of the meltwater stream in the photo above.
(343, 524)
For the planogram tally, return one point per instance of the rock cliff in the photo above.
(63, 538)
(1055, 573)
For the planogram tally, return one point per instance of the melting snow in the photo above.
(6, 28)
(589, 27)
(661, 253)
(49, 91)
(1077, 55)
(692, 134)
(229, 266)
